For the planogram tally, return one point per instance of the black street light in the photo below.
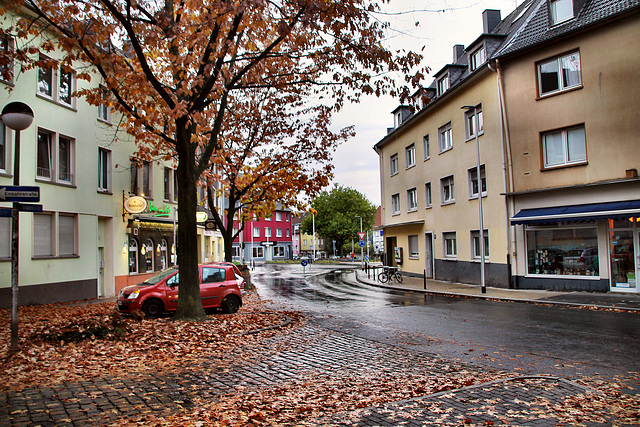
(17, 116)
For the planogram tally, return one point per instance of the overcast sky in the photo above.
(442, 24)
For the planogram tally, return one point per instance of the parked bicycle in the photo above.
(389, 274)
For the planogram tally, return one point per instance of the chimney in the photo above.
(458, 51)
(490, 20)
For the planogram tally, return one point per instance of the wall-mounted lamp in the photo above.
(124, 248)
(158, 248)
(173, 249)
(143, 250)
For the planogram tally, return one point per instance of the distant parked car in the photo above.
(219, 288)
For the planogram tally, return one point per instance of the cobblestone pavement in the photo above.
(516, 401)
(288, 357)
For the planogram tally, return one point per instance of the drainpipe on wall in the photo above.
(507, 174)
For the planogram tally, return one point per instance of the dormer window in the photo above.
(477, 58)
(443, 84)
(397, 119)
(560, 10)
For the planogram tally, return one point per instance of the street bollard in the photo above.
(425, 279)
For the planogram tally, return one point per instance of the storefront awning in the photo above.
(571, 213)
(402, 224)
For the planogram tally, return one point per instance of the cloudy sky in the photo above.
(442, 24)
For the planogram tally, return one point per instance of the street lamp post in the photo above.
(17, 116)
(480, 214)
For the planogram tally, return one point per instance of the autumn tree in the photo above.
(174, 70)
(336, 213)
(274, 146)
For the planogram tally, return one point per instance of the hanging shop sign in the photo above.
(135, 204)
(201, 216)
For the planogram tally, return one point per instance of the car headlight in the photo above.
(134, 294)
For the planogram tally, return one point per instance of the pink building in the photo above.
(266, 239)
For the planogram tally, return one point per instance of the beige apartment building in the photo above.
(556, 84)
(572, 94)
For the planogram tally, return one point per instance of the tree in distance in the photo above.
(336, 213)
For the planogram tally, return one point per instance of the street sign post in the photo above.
(17, 193)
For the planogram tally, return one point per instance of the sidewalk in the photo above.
(593, 300)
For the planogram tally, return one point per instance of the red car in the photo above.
(219, 288)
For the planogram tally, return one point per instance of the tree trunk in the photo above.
(189, 299)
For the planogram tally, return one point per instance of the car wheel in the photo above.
(230, 304)
(152, 309)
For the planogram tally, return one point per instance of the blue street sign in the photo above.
(366, 257)
(6, 212)
(361, 244)
(14, 193)
(304, 263)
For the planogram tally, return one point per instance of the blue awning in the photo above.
(573, 213)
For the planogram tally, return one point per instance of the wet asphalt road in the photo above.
(526, 338)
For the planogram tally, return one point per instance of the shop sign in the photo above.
(135, 204)
(163, 210)
(201, 216)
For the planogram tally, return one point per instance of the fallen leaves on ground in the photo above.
(64, 342)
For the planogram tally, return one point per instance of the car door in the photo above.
(171, 290)
(212, 285)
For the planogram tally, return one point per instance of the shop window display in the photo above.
(563, 251)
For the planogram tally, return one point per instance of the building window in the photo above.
(395, 204)
(414, 252)
(560, 10)
(57, 85)
(393, 167)
(104, 111)
(236, 251)
(5, 238)
(473, 182)
(559, 74)
(569, 251)
(278, 251)
(66, 235)
(147, 252)
(65, 160)
(445, 138)
(48, 225)
(410, 155)
(425, 147)
(448, 190)
(164, 252)
(258, 252)
(6, 69)
(167, 184)
(450, 249)
(564, 147)
(55, 153)
(288, 233)
(141, 179)
(470, 122)
(443, 84)
(3, 149)
(412, 200)
(267, 232)
(278, 216)
(427, 195)
(256, 231)
(278, 232)
(133, 256)
(104, 170)
(477, 58)
(475, 244)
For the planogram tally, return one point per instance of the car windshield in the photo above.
(158, 277)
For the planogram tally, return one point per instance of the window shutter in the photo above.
(42, 241)
(67, 241)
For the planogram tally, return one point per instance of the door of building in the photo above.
(624, 255)
(428, 252)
